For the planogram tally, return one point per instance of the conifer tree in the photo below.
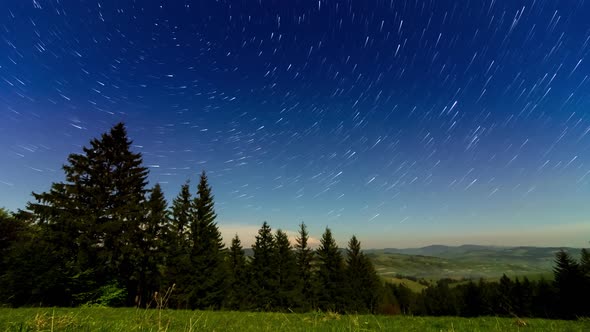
(237, 295)
(585, 262)
(263, 270)
(9, 233)
(568, 281)
(182, 212)
(152, 245)
(362, 280)
(585, 271)
(286, 270)
(472, 302)
(97, 212)
(207, 256)
(304, 257)
(330, 274)
(505, 295)
(178, 265)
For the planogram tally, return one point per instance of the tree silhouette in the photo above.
(304, 257)
(97, 212)
(330, 274)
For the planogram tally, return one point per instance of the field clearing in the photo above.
(127, 319)
(411, 284)
(472, 265)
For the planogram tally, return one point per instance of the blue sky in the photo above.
(405, 122)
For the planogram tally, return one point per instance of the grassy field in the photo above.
(108, 319)
(468, 263)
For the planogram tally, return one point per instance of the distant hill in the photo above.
(466, 261)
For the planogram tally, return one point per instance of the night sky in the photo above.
(404, 122)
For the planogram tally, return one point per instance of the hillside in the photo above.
(466, 261)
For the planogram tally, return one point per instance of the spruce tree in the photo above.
(182, 212)
(33, 271)
(97, 212)
(9, 234)
(505, 299)
(207, 256)
(178, 272)
(585, 264)
(568, 281)
(237, 294)
(304, 258)
(286, 270)
(330, 274)
(362, 279)
(472, 303)
(585, 271)
(152, 245)
(263, 270)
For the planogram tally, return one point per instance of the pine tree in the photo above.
(207, 256)
(472, 302)
(304, 258)
(523, 297)
(286, 270)
(263, 270)
(237, 295)
(544, 300)
(182, 212)
(178, 266)
(362, 280)
(19, 266)
(568, 281)
(33, 272)
(585, 262)
(152, 245)
(96, 214)
(330, 274)
(505, 296)
(9, 233)
(585, 271)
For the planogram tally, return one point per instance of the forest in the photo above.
(103, 238)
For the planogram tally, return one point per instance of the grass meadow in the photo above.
(128, 319)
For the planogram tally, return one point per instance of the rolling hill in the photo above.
(466, 261)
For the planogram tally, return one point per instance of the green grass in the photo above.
(108, 319)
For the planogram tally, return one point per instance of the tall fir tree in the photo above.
(207, 255)
(178, 272)
(263, 270)
(153, 245)
(330, 274)
(304, 258)
(33, 271)
(504, 293)
(585, 271)
(96, 214)
(237, 294)
(286, 293)
(568, 281)
(585, 262)
(10, 231)
(182, 213)
(361, 278)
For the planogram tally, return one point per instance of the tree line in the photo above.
(565, 297)
(102, 237)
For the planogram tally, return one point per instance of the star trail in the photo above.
(404, 122)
